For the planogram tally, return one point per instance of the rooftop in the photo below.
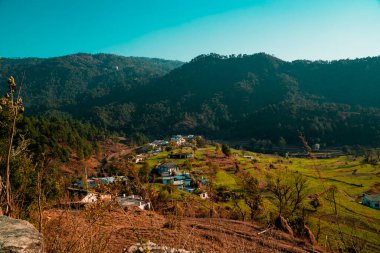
(373, 197)
(169, 165)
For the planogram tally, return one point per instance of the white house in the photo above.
(204, 195)
(140, 158)
(133, 200)
(178, 139)
(91, 197)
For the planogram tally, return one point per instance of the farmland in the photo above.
(338, 183)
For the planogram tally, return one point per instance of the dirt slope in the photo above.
(112, 231)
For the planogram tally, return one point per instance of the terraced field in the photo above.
(334, 223)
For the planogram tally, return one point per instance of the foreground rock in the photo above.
(18, 236)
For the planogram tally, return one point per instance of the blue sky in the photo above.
(183, 29)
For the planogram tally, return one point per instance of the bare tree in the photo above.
(290, 191)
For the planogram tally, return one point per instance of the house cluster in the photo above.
(157, 146)
(170, 173)
(177, 139)
(181, 139)
(83, 193)
(94, 182)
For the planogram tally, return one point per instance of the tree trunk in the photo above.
(39, 200)
(8, 209)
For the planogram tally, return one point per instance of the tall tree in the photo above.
(226, 150)
(251, 193)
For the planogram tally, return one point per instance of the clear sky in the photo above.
(183, 29)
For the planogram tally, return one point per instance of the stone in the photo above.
(153, 248)
(19, 236)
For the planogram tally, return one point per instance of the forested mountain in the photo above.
(255, 97)
(60, 82)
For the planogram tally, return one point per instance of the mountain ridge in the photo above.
(246, 96)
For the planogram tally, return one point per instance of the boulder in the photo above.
(19, 236)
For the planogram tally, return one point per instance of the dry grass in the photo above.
(109, 229)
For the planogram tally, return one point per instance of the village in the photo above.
(90, 190)
(169, 167)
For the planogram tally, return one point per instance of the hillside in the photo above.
(222, 223)
(257, 97)
(345, 221)
(116, 230)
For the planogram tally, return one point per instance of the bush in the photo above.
(226, 150)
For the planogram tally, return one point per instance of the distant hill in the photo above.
(59, 82)
(255, 97)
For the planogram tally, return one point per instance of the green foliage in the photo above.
(187, 165)
(226, 150)
(59, 136)
(138, 139)
(164, 194)
(38, 141)
(144, 173)
(281, 142)
(24, 178)
(200, 142)
(251, 193)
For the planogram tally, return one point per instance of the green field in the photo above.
(352, 224)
